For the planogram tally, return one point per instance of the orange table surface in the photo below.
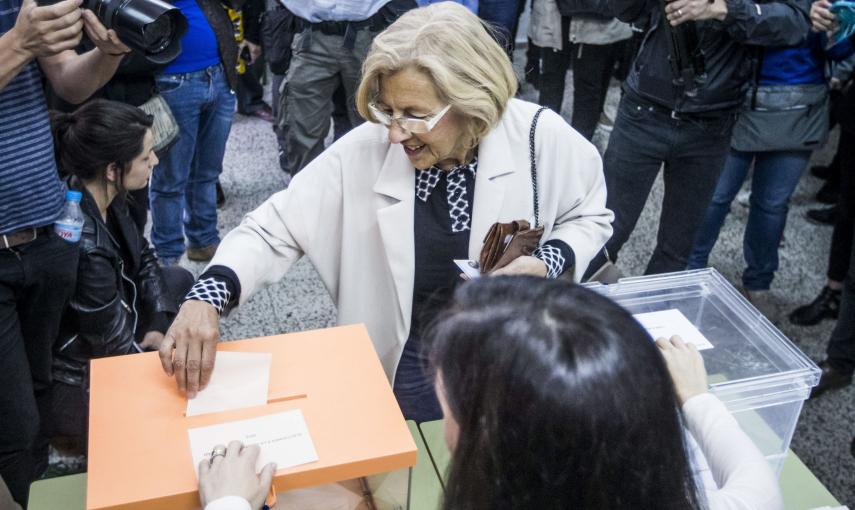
(139, 451)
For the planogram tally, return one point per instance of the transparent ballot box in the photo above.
(326, 415)
(761, 377)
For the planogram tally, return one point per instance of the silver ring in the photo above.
(219, 451)
(680, 12)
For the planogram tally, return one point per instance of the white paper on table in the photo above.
(283, 438)
(240, 379)
(667, 323)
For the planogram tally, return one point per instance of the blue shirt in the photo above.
(801, 65)
(31, 193)
(199, 47)
(316, 11)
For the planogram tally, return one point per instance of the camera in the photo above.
(151, 27)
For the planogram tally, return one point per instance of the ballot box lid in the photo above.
(139, 452)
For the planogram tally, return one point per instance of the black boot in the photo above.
(822, 171)
(221, 196)
(825, 306)
(827, 216)
(828, 193)
(831, 379)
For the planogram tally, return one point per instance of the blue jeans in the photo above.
(183, 186)
(776, 175)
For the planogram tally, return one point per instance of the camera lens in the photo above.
(158, 34)
(152, 27)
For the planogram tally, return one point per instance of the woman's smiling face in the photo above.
(411, 93)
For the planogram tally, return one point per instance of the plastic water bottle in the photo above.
(70, 224)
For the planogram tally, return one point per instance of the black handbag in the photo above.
(277, 33)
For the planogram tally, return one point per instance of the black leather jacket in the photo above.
(120, 293)
(729, 47)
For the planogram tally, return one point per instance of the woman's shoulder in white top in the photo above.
(744, 478)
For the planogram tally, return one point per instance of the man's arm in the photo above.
(782, 23)
(76, 77)
(38, 31)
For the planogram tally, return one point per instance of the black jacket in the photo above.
(120, 293)
(729, 46)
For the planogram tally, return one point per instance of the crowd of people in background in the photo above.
(757, 88)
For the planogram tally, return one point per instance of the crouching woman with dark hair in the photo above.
(556, 398)
(124, 301)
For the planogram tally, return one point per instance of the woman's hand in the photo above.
(523, 265)
(193, 336)
(233, 474)
(821, 17)
(686, 367)
(151, 341)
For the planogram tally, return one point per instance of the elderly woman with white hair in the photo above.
(383, 213)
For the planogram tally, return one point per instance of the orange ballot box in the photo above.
(139, 446)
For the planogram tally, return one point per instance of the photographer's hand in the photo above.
(48, 30)
(107, 41)
(680, 11)
(38, 32)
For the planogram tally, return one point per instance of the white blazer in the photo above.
(351, 212)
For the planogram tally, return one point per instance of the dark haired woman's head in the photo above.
(555, 397)
(105, 141)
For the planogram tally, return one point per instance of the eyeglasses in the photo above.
(417, 126)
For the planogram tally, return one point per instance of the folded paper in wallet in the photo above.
(505, 242)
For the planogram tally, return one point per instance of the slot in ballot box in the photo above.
(761, 377)
(140, 454)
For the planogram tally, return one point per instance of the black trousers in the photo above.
(692, 149)
(842, 237)
(593, 66)
(36, 281)
(841, 346)
(250, 93)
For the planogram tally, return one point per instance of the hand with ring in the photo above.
(680, 11)
(218, 451)
(231, 472)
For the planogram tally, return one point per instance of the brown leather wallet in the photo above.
(505, 242)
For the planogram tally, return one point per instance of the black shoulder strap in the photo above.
(533, 163)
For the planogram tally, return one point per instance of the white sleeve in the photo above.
(229, 503)
(743, 476)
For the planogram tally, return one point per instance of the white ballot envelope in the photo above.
(667, 323)
(283, 438)
(469, 268)
(240, 379)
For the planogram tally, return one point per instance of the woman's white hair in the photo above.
(457, 51)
